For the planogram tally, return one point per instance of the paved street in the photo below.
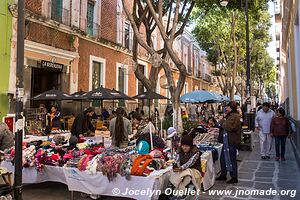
(254, 173)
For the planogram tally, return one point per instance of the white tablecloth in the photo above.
(31, 138)
(82, 181)
(212, 169)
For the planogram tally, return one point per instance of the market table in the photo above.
(98, 184)
(212, 169)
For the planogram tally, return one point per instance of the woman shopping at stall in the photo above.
(82, 123)
(120, 128)
(231, 137)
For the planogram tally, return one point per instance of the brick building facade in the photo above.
(92, 40)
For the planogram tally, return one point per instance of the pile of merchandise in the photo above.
(86, 156)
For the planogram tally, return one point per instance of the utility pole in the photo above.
(19, 103)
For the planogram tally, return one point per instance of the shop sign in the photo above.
(52, 65)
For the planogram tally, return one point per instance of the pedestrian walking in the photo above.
(232, 130)
(263, 123)
(280, 130)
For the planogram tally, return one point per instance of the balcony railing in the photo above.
(199, 75)
(189, 70)
(91, 29)
(207, 77)
(60, 15)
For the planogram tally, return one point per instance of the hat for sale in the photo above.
(143, 147)
(187, 140)
(171, 132)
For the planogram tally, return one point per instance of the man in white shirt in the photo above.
(262, 123)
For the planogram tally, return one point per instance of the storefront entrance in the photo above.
(43, 80)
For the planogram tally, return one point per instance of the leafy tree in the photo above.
(151, 15)
(221, 33)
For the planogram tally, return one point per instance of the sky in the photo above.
(272, 45)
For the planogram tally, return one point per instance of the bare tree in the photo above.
(151, 14)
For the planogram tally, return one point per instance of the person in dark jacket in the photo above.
(54, 118)
(231, 139)
(280, 130)
(82, 123)
(188, 155)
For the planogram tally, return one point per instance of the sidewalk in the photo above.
(254, 174)
(257, 174)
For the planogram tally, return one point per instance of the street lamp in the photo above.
(223, 2)
(248, 86)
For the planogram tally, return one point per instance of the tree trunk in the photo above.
(235, 58)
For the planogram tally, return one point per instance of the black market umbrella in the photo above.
(150, 96)
(119, 95)
(52, 95)
(78, 96)
(100, 93)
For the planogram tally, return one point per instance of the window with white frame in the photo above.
(97, 72)
(185, 55)
(186, 88)
(119, 22)
(122, 78)
(204, 68)
(127, 35)
(90, 17)
(56, 10)
(196, 63)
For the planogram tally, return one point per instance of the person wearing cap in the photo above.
(188, 155)
(187, 165)
(263, 123)
(82, 123)
(231, 139)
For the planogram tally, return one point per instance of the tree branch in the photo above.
(136, 30)
(186, 19)
(175, 21)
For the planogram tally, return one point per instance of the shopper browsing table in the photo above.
(82, 123)
(120, 128)
(231, 139)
